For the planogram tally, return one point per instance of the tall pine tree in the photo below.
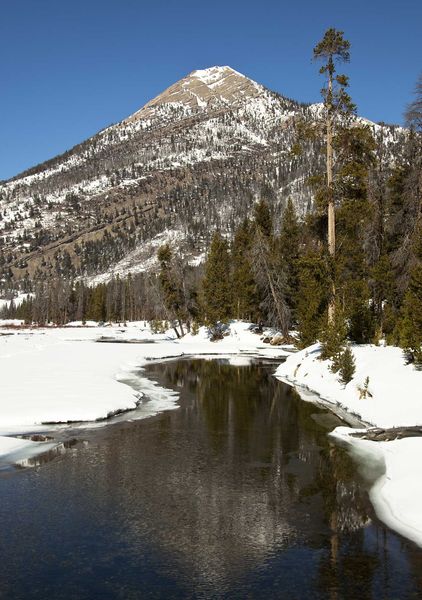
(337, 105)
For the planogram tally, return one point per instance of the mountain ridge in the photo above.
(193, 158)
(157, 100)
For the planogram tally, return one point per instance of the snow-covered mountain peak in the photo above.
(215, 86)
(214, 74)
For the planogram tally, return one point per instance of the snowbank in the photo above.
(395, 400)
(61, 375)
(395, 388)
(397, 491)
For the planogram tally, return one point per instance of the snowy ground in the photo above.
(59, 375)
(395, 400)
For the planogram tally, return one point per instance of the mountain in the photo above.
(194, 158)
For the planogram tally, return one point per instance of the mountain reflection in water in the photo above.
(238, 493)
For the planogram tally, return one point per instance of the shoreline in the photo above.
(396, 491)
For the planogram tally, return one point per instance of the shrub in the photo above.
(364, 391)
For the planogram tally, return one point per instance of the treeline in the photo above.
(134, 298)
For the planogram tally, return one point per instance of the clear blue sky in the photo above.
(72, 67)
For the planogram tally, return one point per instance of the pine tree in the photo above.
(382, 285)
(355, 146)
(216, 288)
(333, 338)
(410, 328)
(411, 321)
(262, 219)
(289, 248)
(346, 365)
(359, 311)
(312, 298)
(245, 294)
(331, 49)
(171, 289)
(97, 305)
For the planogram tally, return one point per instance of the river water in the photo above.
(239, 493)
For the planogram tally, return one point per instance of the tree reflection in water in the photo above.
(238, 493)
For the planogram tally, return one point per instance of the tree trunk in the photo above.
(182, 333)
(331, 213)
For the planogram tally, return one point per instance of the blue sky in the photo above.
(71, 68)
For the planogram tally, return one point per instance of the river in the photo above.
(239, 493)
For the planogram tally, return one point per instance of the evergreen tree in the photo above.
(245, 294)
(346, 365)
(312, 298)
(289, 247)
(331, 49)
(97, 304)
(216, 284)
(411, 321)
(358, 308)
(171, 289)
(333, 338)
(355, 147)
(262, 219)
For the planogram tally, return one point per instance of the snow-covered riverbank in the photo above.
(60, 375)
(394, 399)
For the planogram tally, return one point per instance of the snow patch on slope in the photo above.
(142, 259)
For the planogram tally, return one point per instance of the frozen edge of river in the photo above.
(392, 467)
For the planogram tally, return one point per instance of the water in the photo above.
(237, 494)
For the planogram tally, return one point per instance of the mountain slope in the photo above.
(194, 158)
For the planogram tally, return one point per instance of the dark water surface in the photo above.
(237, 494)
